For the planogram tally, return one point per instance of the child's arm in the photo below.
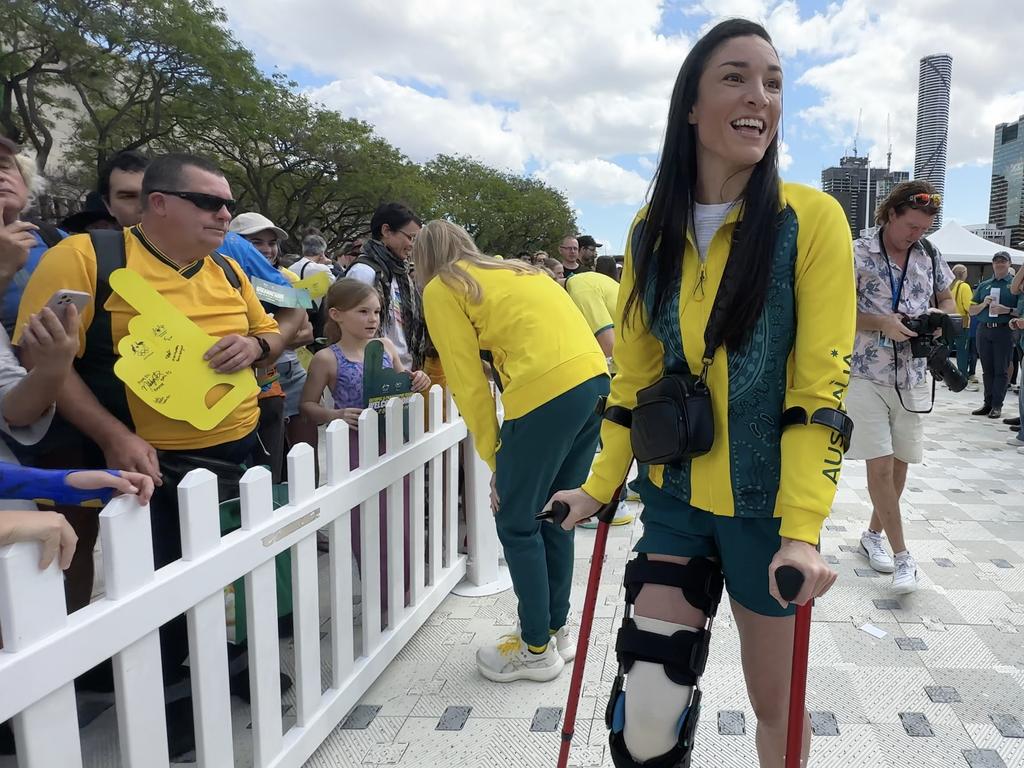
(69, 486)
(49, 347)
(322, 373)
(420, 380)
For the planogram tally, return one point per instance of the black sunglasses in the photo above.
(201, 200)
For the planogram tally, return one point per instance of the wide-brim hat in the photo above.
(251, 222)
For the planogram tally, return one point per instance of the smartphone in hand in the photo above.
(63, 297)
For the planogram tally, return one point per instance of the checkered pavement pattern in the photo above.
(943, 688)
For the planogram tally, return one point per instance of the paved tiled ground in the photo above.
(951, 664)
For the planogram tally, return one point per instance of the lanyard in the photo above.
(897, 289)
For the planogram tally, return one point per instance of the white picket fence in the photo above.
(45, 649)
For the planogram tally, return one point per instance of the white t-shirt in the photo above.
(364, 273)
(305, 268)
(706, 221)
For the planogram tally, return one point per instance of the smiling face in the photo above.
(400, 241)
(361, 321)
(739, 105)
(266, 243)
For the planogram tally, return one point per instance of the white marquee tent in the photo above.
(961, 246)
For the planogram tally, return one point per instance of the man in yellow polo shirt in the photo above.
(596, 295)
(187, 205)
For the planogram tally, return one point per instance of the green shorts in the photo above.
(744, 546)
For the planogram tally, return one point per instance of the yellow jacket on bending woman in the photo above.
(540, 342)
(798, 355)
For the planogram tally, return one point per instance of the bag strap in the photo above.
(108, 245)
(229, 273)
(930, 250)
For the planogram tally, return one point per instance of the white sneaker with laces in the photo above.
(872, 546)
(509, 660)
(904, 580)
(565, 643)
(622, 517)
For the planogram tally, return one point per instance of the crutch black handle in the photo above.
(790, 581)
(557, 514)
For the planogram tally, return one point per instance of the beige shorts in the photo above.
(881, 425)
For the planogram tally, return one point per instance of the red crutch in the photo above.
(557, 516)
(790, 581)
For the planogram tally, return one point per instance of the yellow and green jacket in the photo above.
(540, 343)
(798, 355)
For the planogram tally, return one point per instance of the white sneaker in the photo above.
(872, 546)
(565, 643)
(1016, 442)
(904, 580)
(622, 517)
(510, 660)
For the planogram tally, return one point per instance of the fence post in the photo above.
(256, 493)
(417, 551)
(485, 574)
(32, 608)
(396, 503)
(305, 592)
(435, 524)
(199, 511)
(369, 536)
(340, 543)
(127, 540)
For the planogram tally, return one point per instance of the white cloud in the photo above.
(567, 86)
(562, 84)
(597, 181)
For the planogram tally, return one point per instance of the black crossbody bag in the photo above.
(673, 420)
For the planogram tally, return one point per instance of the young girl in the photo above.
(553, 373)
(354, 321)
(722, 227)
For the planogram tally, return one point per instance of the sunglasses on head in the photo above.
(925, 200)
(201, 200)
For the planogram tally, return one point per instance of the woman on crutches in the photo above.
(738, 306)
(552, 374)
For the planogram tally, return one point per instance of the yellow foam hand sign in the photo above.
(161, 359)
(317, 284)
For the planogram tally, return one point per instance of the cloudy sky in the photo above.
(576, 91)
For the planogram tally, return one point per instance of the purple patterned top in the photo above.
(348, 386)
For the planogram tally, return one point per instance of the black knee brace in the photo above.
(683, 655)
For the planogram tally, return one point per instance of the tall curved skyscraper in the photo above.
(933, 122)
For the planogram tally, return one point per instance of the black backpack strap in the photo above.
(229, 272)
(97, 366)
(49, 234)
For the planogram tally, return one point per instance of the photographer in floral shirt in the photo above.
(900, 276)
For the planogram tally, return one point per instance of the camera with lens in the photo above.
(935, 348)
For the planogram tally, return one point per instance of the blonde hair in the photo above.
(960, 271)
(442, 247)
(34, 182)
(346, 293)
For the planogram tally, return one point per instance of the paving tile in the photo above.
(731, 723)
(1008, 726)
(546, 720)
(911, 644)
(1001, 563)
(916, 724)
(454, 718)
(360, 717)
(944, 562)
(983, 758)
(866, 573)
(824, 724)
(942, 694)
(887, 604)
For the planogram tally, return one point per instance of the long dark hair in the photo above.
(663, 237)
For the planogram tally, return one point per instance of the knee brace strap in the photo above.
(683, 655)
(700, 580)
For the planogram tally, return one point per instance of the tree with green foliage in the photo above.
(504, 213)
